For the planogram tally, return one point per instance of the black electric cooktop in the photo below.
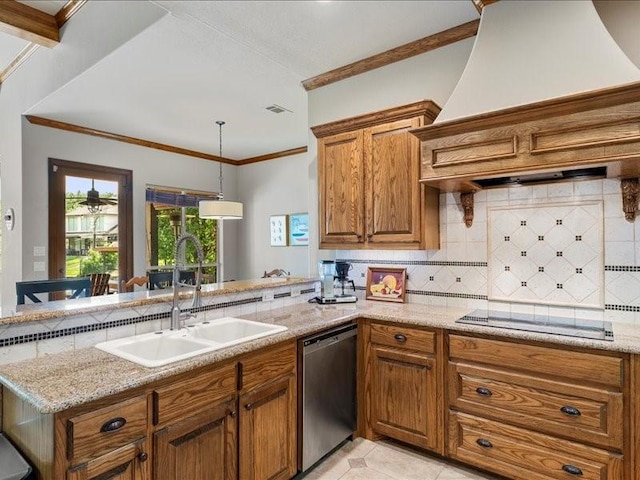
(571, 327)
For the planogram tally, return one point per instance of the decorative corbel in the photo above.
(630, 192)
(466, 199)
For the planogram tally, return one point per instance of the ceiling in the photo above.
(212, 60)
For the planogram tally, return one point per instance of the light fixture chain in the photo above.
(220, 124)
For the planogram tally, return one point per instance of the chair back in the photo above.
(277, 272)
(99, 283)
(139, 281)
(80, 287)
(160, 280)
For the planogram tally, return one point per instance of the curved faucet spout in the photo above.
(176, 315)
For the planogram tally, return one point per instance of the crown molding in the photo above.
(397, 54)
(273, 156)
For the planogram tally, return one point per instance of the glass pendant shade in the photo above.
(220, 209)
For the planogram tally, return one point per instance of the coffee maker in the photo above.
(327, 272)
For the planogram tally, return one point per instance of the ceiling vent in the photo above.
(278, 109)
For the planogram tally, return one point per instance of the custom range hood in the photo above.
(546, 95)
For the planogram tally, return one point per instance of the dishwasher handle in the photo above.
(326, 339)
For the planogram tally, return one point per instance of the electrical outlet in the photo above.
(267, 295)
(38, 266)
(295, 291)
(38, 251)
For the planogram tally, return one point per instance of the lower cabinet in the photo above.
(403, 384)
(268, 415)
(203, 447)
(129, 462)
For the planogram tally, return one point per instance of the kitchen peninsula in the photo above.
(397, 342)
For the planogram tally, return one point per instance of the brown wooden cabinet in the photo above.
(203, 447)
(550, 412)
(268, 415)
(129, 462)
(403, 384)
(368, 182)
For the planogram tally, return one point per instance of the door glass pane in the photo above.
(91, 233)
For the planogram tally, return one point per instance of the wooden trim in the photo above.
(423, 107)
(397, 54)
(480, 4)
(576, 103)
(45, 122)
(68, 11)
(28, 23)
(273, 156)
(18, 60)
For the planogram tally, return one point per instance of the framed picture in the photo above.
(278, 230)
(386, 284)
(299, 229)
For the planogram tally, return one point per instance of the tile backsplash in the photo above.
(570, 251)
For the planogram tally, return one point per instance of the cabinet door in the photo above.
(403, 396)
(268, 431)
(393, 192)
(201, 447)
(340, 188)
(125, 463)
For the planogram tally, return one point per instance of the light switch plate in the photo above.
(38, 266)
(267, 295)
(38, 251)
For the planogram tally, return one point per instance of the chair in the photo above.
(278, 272)
(99, 283)
(139, 281)
(160, 280)
(80, 287)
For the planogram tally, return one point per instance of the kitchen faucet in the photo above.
(176, 315)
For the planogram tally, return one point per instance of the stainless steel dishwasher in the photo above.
(328, 391)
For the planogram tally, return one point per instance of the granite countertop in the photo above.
(56, 382)
(64, 308)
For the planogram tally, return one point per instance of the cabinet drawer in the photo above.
(262, 367)
(190, 396)
(519, 453)
(99, 431)
(578, 366)
(403, 337)
(562, 408)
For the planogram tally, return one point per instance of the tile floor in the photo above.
(383, 460)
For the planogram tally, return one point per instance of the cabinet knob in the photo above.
(400, 337)
(572, 470)
(484, 443)
(571, 411)
(143, 456)
(232, 414)
(484, 391)
(113, 425)
(249, 406)
(370, 236)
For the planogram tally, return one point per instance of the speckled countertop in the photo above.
(57, 382)
(63, 308)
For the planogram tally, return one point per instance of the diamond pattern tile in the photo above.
(554, 253)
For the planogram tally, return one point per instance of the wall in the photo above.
(269, 188)
(87, 39)
(149, 167)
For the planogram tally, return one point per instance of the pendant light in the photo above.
(220, 209)
(93, 202)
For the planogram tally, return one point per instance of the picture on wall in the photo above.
(299, 229)
(278, 230)
(386, 284)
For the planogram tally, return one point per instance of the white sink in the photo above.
(230, 331)
(164, 347)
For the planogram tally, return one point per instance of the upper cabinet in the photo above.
(369, 182)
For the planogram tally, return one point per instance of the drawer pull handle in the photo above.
(113, 425)
(572, 470)
(485, 392)
(143, 456)
(571, 411)
(484, 443)
(400, 337)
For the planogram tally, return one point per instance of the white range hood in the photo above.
(529, 51)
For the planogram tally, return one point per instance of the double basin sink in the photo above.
(167, 346)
